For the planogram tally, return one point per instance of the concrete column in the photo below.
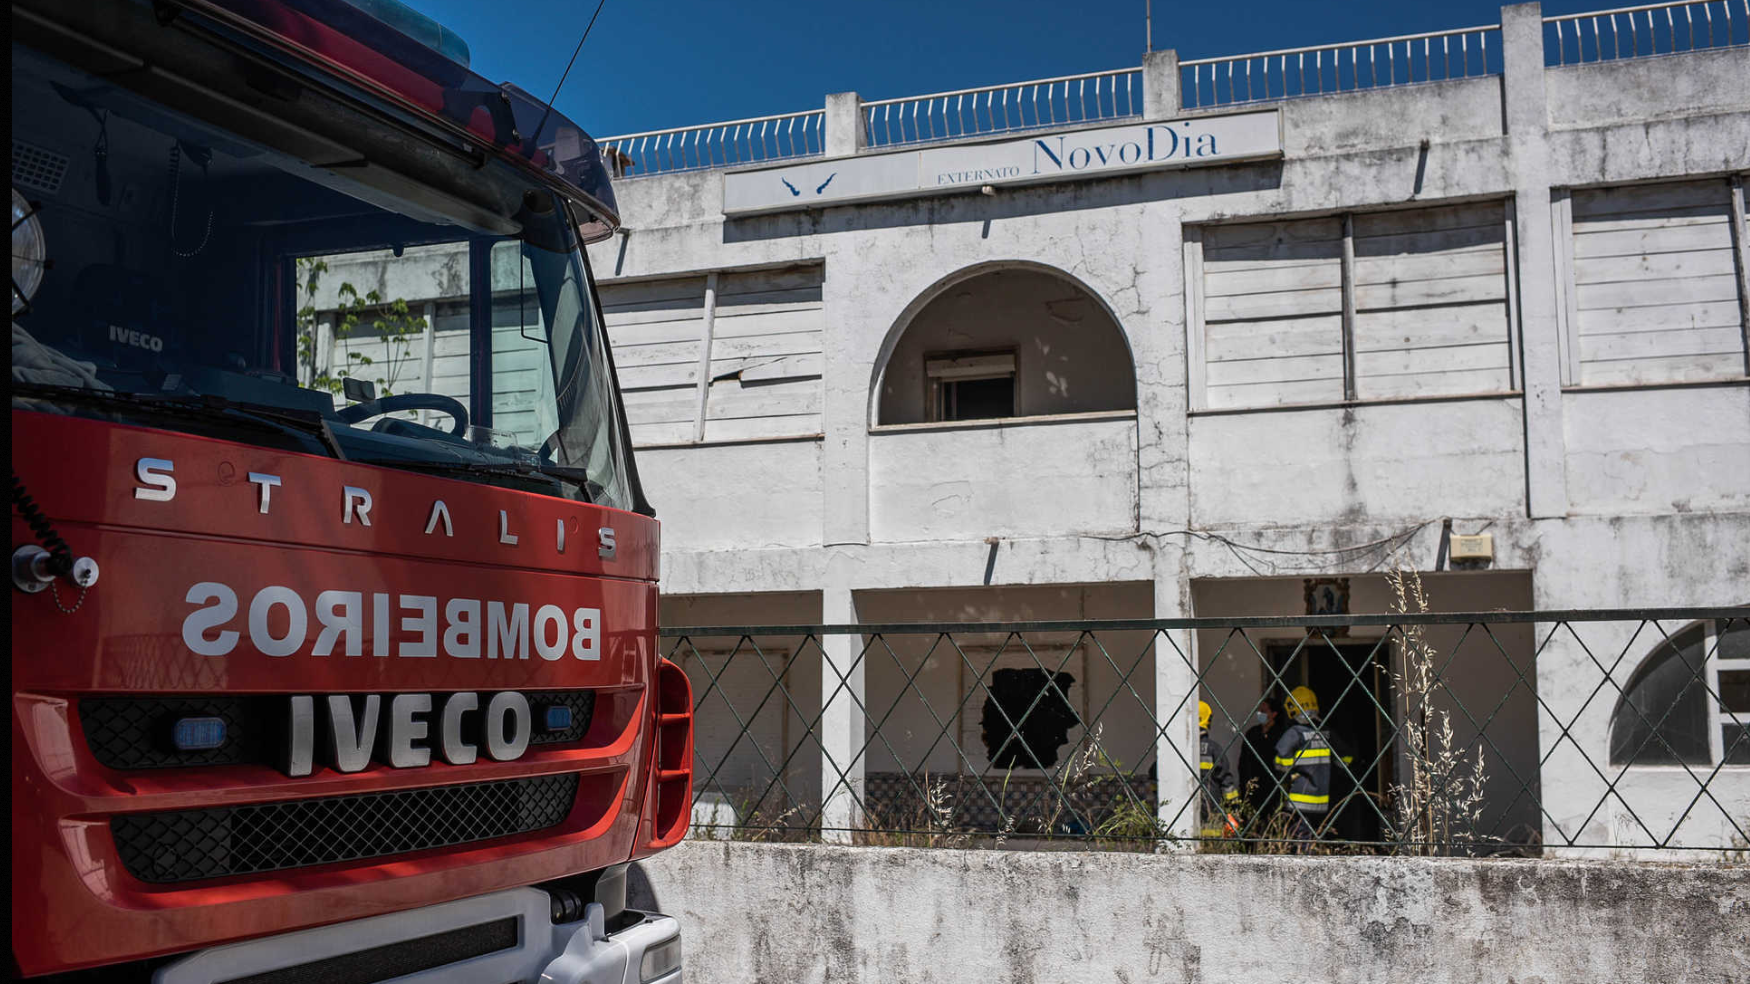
(842, 697)
(1175, 709)
(845, 402)
(844, 124)
(1160, 85)
(1156, 330)
(1527, 123)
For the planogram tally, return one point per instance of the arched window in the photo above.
(1689, 701)
(1017, 341)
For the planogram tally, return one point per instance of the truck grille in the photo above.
(187, 845)
(134, 732)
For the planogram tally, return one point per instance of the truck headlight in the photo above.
(660, 960)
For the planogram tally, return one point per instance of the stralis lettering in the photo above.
(278, 622)
(157, 483)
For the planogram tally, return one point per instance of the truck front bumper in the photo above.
(505, 936)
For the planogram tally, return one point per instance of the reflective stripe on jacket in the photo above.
(1303, 755)
(1219, 787)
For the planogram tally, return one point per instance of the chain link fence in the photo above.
(1499, 733)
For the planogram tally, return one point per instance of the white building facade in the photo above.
(943, 387)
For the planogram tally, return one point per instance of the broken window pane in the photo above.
(1027, 718)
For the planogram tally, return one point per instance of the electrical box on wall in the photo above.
(1478, 548)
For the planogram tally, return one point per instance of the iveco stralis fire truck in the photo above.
(319, 675)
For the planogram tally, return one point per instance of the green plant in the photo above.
(1442, 800)
(933, 822)
(393, 322)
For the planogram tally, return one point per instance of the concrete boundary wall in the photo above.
(808, 913)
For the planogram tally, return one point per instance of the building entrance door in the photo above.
(1353, 682)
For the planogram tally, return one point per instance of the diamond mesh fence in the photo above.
(1498, 733)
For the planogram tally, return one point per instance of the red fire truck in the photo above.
(317, 678)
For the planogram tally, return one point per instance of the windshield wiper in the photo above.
(529, 473)
(580, 476)
(297, 423)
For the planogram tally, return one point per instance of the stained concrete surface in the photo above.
(807, 913)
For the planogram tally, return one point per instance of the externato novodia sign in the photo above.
(1062, 156)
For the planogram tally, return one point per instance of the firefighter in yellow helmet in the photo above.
(1304, 756)
(1215, 780)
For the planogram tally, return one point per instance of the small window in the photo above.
(1732, 654)
(1735, 691)
(971, 386)
(1735, 739)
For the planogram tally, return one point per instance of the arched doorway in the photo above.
(1016, 341)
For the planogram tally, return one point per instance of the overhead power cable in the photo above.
(1251, 555)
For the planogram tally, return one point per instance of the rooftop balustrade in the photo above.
(1201, 84)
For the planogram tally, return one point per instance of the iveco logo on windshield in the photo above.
(404, 730)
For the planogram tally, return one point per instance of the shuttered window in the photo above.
(1272, 313)
(1431, 305)
(1656, 292)
(657, 330)
(766, 355)
(755, 335)
(1384, 305)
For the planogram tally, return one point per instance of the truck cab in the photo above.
(334, 619)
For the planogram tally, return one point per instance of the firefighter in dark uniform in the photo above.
(1215, 781)
(1305, 757)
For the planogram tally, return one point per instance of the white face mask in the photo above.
(1260, 720)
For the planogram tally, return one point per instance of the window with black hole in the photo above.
(971, 385)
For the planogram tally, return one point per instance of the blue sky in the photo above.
(650, 65)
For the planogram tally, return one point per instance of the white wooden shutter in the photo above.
(450, 364)
(1655, 286)
(1272, 316)
(766, 355)
(657, 328)
(1431, 304)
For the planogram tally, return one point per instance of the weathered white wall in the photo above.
(730, 496)
(1658, 451)
(1005, 478)
(1374, 463)
(1652, 88)
(1608, 497)
(805, 913)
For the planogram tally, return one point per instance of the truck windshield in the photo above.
(169, 273)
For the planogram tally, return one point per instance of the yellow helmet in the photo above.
(1203, 714)
(1302, 700)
